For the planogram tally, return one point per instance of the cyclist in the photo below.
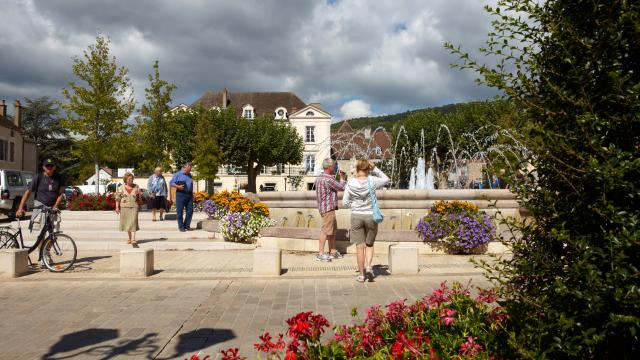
(48, 187)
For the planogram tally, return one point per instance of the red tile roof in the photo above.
(346, 143)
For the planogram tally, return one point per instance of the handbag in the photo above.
(377, 214)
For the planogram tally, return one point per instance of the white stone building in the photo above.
(310, 120)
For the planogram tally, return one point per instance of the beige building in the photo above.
(16, 151)
(310, 120)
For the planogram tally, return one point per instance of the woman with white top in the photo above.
(363, 228)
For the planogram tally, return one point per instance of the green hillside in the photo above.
(387, 121)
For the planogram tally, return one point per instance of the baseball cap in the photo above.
(48, 161)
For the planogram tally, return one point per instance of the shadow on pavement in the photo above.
(86, 341)
(84, 263)
(191, 342)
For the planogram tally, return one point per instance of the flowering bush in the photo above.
(448, 324)
(224, 202)
(458, 225)
(91, 202)
(243, 226)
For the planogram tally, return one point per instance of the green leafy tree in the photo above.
(99, 105)
(182, 142)
(207, 153)
(571, 285)
(42, 123)
(258, 142)
(155, 123)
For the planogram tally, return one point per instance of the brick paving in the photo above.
(198, 302)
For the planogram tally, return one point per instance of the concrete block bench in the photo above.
(136, 262)
(403, 259)
(267, 261)
(14, 262)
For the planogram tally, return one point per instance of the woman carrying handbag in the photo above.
(360, 197)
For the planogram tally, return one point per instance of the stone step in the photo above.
(111, 215)
(114, 234)
(71, 225)
(167, 245)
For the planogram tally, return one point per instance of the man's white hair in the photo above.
(327, 163)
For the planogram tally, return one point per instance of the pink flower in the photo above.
(446, 316)
(469, 348)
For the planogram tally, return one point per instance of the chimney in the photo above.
(225, 95)
(3, 109)
(316, 105)
(17, 114)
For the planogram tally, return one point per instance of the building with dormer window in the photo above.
(312, 123)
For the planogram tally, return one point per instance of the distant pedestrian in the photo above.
(157, 187)
(327, 196)
(495, 182)
(128, 200)
(357, 196)
(183, 182)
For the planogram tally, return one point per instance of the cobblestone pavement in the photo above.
(91, 313)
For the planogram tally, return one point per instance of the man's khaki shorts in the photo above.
(329, 223)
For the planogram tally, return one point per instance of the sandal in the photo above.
(361, 278)
(153, 220)
(128, 241)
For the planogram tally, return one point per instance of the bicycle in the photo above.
(57, 251)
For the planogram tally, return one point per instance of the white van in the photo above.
(13, 184)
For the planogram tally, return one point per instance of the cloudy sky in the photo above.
(356, 57)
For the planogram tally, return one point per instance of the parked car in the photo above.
(71, 192)
(13, 184)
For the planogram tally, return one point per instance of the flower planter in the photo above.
(210, 225)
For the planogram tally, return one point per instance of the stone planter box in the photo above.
(209, 225)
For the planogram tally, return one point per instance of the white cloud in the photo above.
(385, 53)
(354, 109)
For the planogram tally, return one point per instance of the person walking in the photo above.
(183, 183)
(128, 199)
(357, 197)
(157, 187)
(327, 197)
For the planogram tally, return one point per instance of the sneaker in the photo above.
(336, 255)
(368, 270)
(182, 230)
(323, 257)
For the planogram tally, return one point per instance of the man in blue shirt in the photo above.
(183, 183)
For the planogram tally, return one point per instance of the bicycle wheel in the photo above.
(59, 252)
(7, 241)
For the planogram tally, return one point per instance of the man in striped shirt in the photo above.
(327, 193)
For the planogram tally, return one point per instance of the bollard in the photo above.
(136, 262)
(403, 259)
(14, 262)
(267, 261)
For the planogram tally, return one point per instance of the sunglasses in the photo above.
(49, 166)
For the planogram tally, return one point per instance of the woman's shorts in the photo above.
(363, 229)
(158, 202)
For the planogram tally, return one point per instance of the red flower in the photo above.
(230, 354)
(197, 357)
(290, 355)
(267, 345)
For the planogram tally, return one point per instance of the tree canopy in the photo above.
(571, 286)
(98, 105)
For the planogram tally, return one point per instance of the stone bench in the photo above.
(403, 259)
(14, 262)
(267, 261)
(136, 262)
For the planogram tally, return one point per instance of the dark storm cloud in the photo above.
(387, 54)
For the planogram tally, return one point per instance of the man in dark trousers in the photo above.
(183, 183)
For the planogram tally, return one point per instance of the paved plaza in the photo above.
(196, 301)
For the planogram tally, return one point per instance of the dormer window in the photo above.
(310, 113)
(247, 112)
(281, 113)
(378, 150)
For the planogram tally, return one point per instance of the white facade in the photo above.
(105, 178)
(314, 126)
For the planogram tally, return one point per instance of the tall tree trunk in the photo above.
(97, 167)
(252, 174)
